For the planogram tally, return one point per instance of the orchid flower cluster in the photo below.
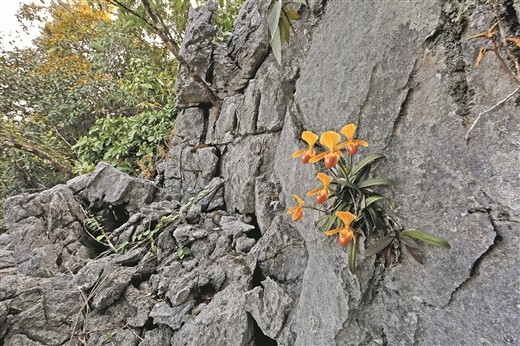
(331, 157)
(347, 198)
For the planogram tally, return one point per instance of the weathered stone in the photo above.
(225, 313)
(266, 194)
(247, 111)
(47, 235)
(223, 131)
(254, 155)
(237, 63)
(196, 49)
(88, 276)
(186, 234)
(276, 94)
(172, 317)
(157, 336)
(108, 186)
(234, 227)
(244, 244)
(189, 128)
(269, 307)
(112, 284)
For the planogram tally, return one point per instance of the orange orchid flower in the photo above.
(345, 233)
(330, 140)
(298, 210)
(322, 192)
(307, 153)
(351, 143)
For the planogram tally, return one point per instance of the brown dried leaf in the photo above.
(480, 56)
(514, 40)
(486, 35)
(415, 253)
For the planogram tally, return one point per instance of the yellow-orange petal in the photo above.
(346, 232)
(310, 137)
(333, 231)
(346, 216)
(324, 178)
(292, 210)
(318, 157)
(348, 131)
(330, 139)
(360, 142)
(298, 214)
(298, 199)
(299, 153)
(314, 192)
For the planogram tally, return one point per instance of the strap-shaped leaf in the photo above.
(366, 161)
(407, 240)
(352, 255)
(291, 14)
(273, 18)
(426, 237)
(373, 199)
(345, 182)
(284, 27)
(379, 245)
(276, 46)
(375, 182)
(415, 253)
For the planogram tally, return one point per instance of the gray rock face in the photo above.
(196, 49)
(402, 71)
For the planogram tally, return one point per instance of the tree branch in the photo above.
(7, 139)
(173, 47)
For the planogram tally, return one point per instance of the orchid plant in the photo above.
(350, 204)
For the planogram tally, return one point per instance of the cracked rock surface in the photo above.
(403, 72)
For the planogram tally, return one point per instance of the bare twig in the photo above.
(466, 137)
(7, 138)
(173, 47)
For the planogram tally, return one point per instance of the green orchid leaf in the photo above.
(373, 199)
(291, 14)
(375, 182)
(426, 237)
(285, 28)
(345, 182)
(276, 46)
(362, 175)
(329, 223)
(273, 18)
(407, 240)
(303, 2)
(414, 252)
(366, 161)
(379, 245)
(374, 217)
(352, 255)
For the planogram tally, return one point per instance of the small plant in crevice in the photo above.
(148, 236)
(183, 252)
(279, 17)
(350, 205)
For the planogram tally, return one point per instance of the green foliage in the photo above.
(352, 201)
(226, 15)
(279, 22)
(149, 236)
(123, 141)
(183, 252)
